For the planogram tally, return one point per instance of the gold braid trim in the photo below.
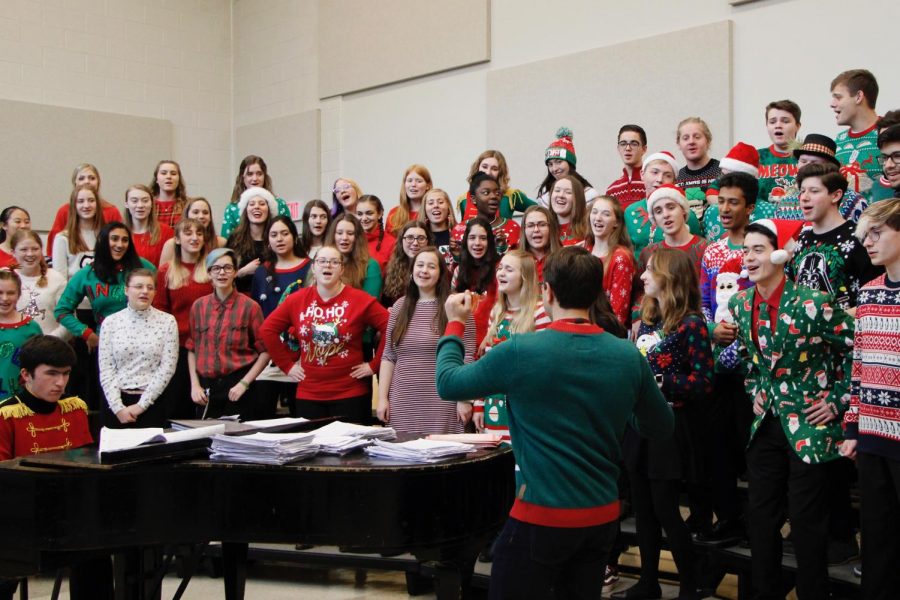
(73, 403)
(15, 411)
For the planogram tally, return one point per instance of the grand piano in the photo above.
(65, 504)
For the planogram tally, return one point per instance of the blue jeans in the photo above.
(533, 561)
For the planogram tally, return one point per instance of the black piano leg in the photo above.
(234, 565)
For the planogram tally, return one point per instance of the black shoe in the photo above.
(840, 553)
(722, 532)
(639, 591)
(857, 571)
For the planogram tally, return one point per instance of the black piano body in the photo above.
(63, 503)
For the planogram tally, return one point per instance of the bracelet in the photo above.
(244, 383)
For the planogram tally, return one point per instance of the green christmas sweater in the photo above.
(12, 336)
(642, 232)
(565, 435)
(858, 154)
(105, 298)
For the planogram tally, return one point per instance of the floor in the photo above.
(283, 582)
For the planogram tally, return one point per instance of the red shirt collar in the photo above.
(774, 298)
(858, 134)
(776, 152)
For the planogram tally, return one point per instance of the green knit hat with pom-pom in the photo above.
(561, 148)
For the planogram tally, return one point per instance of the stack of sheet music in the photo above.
(341, 438)
(479, 440)
(424, 451)
(263, 448)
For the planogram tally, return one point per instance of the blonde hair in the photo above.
(679, 290)
(23, 234)
(152, 220)
(528, 297)
(880, 213)
(451, 218)
(502, 175)
(178, 274)
(401, 215)
(697, 121)
(73, 230)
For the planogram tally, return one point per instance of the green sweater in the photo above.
(12, 336)
(566, 415)
(105, 298)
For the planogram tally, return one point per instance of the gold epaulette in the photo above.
(13, 408)
(72, 403)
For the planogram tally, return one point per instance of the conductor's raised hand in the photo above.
(459, 306)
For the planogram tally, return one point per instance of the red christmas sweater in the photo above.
(330, 334)
(151, 252)
(506, 234)
(382, 255)
(178, 302)
(25, 432)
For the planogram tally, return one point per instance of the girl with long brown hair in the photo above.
(407, 395)
(609, 241)
(73, 248)
(360, 270)
(252, 172)
(85, 173)
(540, 236)
(169, 191)
(568, 204)
(675, 340)
(413, 237)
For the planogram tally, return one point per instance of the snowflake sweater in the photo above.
(874, 415)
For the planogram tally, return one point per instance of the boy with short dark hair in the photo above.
(874, 415)
(797, 351)
(777, 163)
(889, 158)
(853, 97)
(36, 420)
(730, 415)
(828, 258)
(631, 145)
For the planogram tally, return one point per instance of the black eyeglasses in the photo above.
(894, 156)
(629, 144)
(409, 239)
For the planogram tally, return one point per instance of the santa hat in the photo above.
(743, 158)
(663, 155)
(786, 231)
(667, 191)
(253, 192)
(735, 265)
(562, 147)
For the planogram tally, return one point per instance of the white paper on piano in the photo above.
(264, 423)
(112, 440)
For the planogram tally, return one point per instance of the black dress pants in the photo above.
(879, 487)
(775, 472)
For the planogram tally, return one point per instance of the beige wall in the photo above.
(167, 59)
(210, 66)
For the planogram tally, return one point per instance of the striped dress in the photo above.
(415, 406)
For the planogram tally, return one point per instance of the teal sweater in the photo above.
(105, 298)
(571, 389)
